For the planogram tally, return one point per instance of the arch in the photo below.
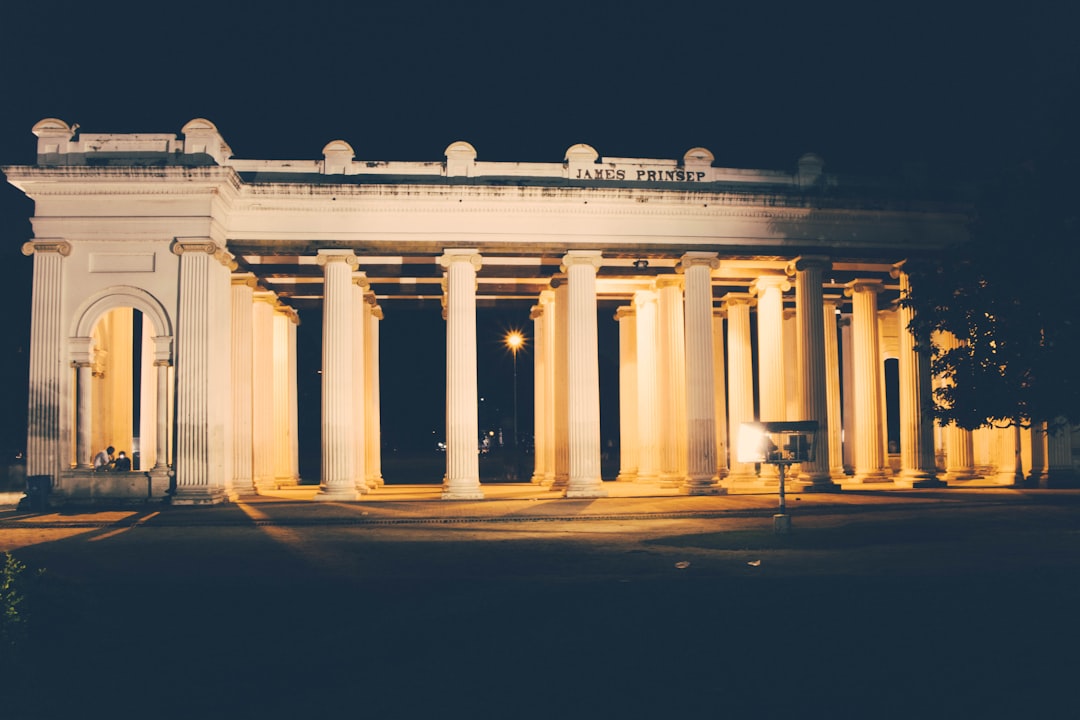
(108, 299)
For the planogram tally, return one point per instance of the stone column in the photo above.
(43, 448)
(628, 381)
(148, 400)
(959, 445)
(294, 420)
(700, 396)
(671, 376)
(1061, 471)
(202, 397)
(243, 298)
(359, 381)
(262, 379)
(161, 463)
(547, 301)
(1010, 467)
(283, 464)
(740, 384)
(583, 376)
(832, 390)
(869, 453)
(720, 392)
(462, 424)
(338, 427)
(917, 465)
(813, 382)
(772, 389)
(373, 422)
(560, 401)
(536, 314)
(1037, 475)
(847, 381)
(647, 432)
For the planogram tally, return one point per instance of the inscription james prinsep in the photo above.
(639, 175)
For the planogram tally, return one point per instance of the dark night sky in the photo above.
(869, 86)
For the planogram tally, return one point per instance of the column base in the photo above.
(958, 475)
(461, 494)
(589, 491)
(870, 478)
(198, 496)
(626, 477)
(709, 486)
(336, 494)
(820, 485)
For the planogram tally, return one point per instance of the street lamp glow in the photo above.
(514, 340)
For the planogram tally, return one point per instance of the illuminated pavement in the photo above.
(949, 603)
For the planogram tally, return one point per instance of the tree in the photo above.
(1010, 296)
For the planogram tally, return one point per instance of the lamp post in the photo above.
(514, 340)
(782, 444)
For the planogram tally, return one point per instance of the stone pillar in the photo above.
(1010, 467)
(536, 314)
(917, 465)
(161, 463)
(647, 432)
(561, 437)
(547, 301)
(148, 400)
(869, 452)
(671, 379)
(338, 427)
(772, 389)
(243, 298)
(813, 383)
(373, 422)
(847, 381)
(203, 402)
(1037, 474)
(791, 370)
(700, 396)
(720, 392)
(959, 445)
(628, 381)
(462, 424)
(84, 451)
(740, 384)
(283, 464)
(46, 396)
(262, 378)
(583, 376)
(1061, 471)
(359, 381)
(294, 420)
(832, 390)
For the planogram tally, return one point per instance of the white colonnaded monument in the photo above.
(168, 276)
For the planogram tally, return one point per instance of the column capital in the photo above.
(809, 262)
(668, 281)
(325, 257)
(376, 312)
(867, 285)
(834, 301)
(626, 311)
(693, 259)
(556, 280)
(207, 246)
(61, 247)
(719, 312)
(547, 296)
(360, 279)
(245, 279)
(289, 312)
(536, 311)
(766, 282)
(266, 296)
(644, 297)
(582, 257)
(732, 299)
(457, 255)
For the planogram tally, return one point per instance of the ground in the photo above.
(905, 604)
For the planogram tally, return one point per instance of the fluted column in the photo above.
(720, 392)
(628, 380)
(373, 424)
(43, 451)
(1010, 467)
(359, 381)
(462, 425)
(560, 399)
(869, 453)
(583, 376)
(294, 420)
(1037, 474)
(847, 381)
(647, 401)
(203, 404)
(700, 396)
(547, 302)
(84, 413)
(917, 465)
(243, 298)
(283, 466)
(536, 314)
(959, 445)
(1061, 471)
(671, 376)
(338, 427)
(740, 383)
(161, 463)
(832, 390)
(813, 383)
(262, 378)
(772, 388)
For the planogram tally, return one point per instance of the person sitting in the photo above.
(123, 463)
(103, 460)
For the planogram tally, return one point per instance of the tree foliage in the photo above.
(1011, 297)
